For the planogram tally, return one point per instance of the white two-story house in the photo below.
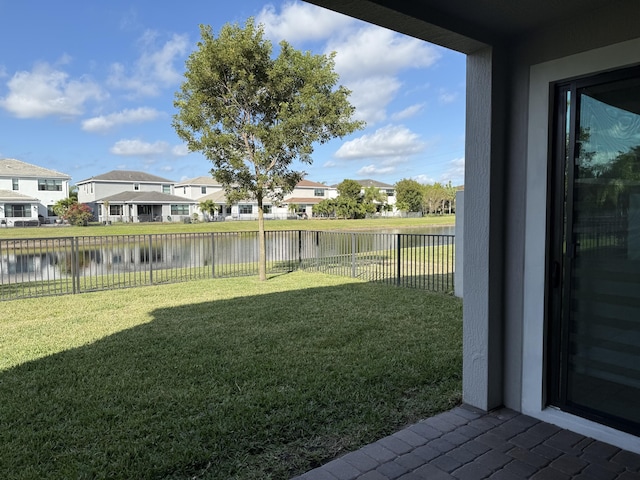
(131, 196)
(28, 192)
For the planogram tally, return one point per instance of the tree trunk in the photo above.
(262, 244)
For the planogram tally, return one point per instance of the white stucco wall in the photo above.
(541, 76)
(458, 278)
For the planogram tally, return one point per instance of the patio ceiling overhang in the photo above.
(463, 25)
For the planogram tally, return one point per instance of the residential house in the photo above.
(130, 196)
(304, 196)
(389, 191)
(28, 192)
(205, 188)
(307, 194)
(552, 207)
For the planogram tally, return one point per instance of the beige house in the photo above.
(307, 194)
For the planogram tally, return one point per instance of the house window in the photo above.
(15, 184)
(50, 212)
(203, 190)
(246, 209)
(115, 209)
(136, 186)
(166, 188)
(184, 190)
(267, 209)
(49, 185)
(390, 193)
(17, 210)
(318, 192)
(180, 209)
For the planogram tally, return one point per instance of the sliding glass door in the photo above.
(594, 269)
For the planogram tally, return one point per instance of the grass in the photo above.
(230, 226)
(219, 379)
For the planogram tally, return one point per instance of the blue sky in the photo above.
(88, 86)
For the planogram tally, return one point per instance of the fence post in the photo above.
(354, 270)
(398, 262)
(150, 260)
(74, 266)
(213, 255)
(299, 249)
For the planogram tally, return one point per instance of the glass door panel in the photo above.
(599, 315)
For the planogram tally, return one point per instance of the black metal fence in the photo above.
(54, 266)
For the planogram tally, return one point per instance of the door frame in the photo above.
(560, 205)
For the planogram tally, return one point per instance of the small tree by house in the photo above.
(373, 200)
(78, 214)
(209, 208)
(349, 201)
(253, 115)
(61, 207)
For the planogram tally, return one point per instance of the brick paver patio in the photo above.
(466, 444)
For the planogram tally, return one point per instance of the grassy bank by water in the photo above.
(219, 379)
(228, 226)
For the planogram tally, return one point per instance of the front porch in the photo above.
(466, 443)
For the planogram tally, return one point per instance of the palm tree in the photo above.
(209, 208)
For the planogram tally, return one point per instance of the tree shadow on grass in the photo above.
(263, 386)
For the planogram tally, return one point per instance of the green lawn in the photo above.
(229, 226)
(219, 379)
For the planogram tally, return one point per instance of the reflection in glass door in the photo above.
(594, 356)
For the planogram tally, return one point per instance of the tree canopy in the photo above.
(253, 115)
(409, 195)
(412, 196)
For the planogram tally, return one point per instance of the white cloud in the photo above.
(329, 164)
(138, 148)
(46, 91)
(166, 168)
(369, 60)
(130, 148)
(299, 21)
(374, 170)
(155, 68)
(371, 96)
(424, 179)
(445, 96)
(180, 150)
(104, 123)
(455, 172)
(3, 71)
(392, 141)
(408, 112)
(372, 51)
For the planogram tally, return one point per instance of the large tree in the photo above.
(254, 115)
(409, 195)
(349, 200)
